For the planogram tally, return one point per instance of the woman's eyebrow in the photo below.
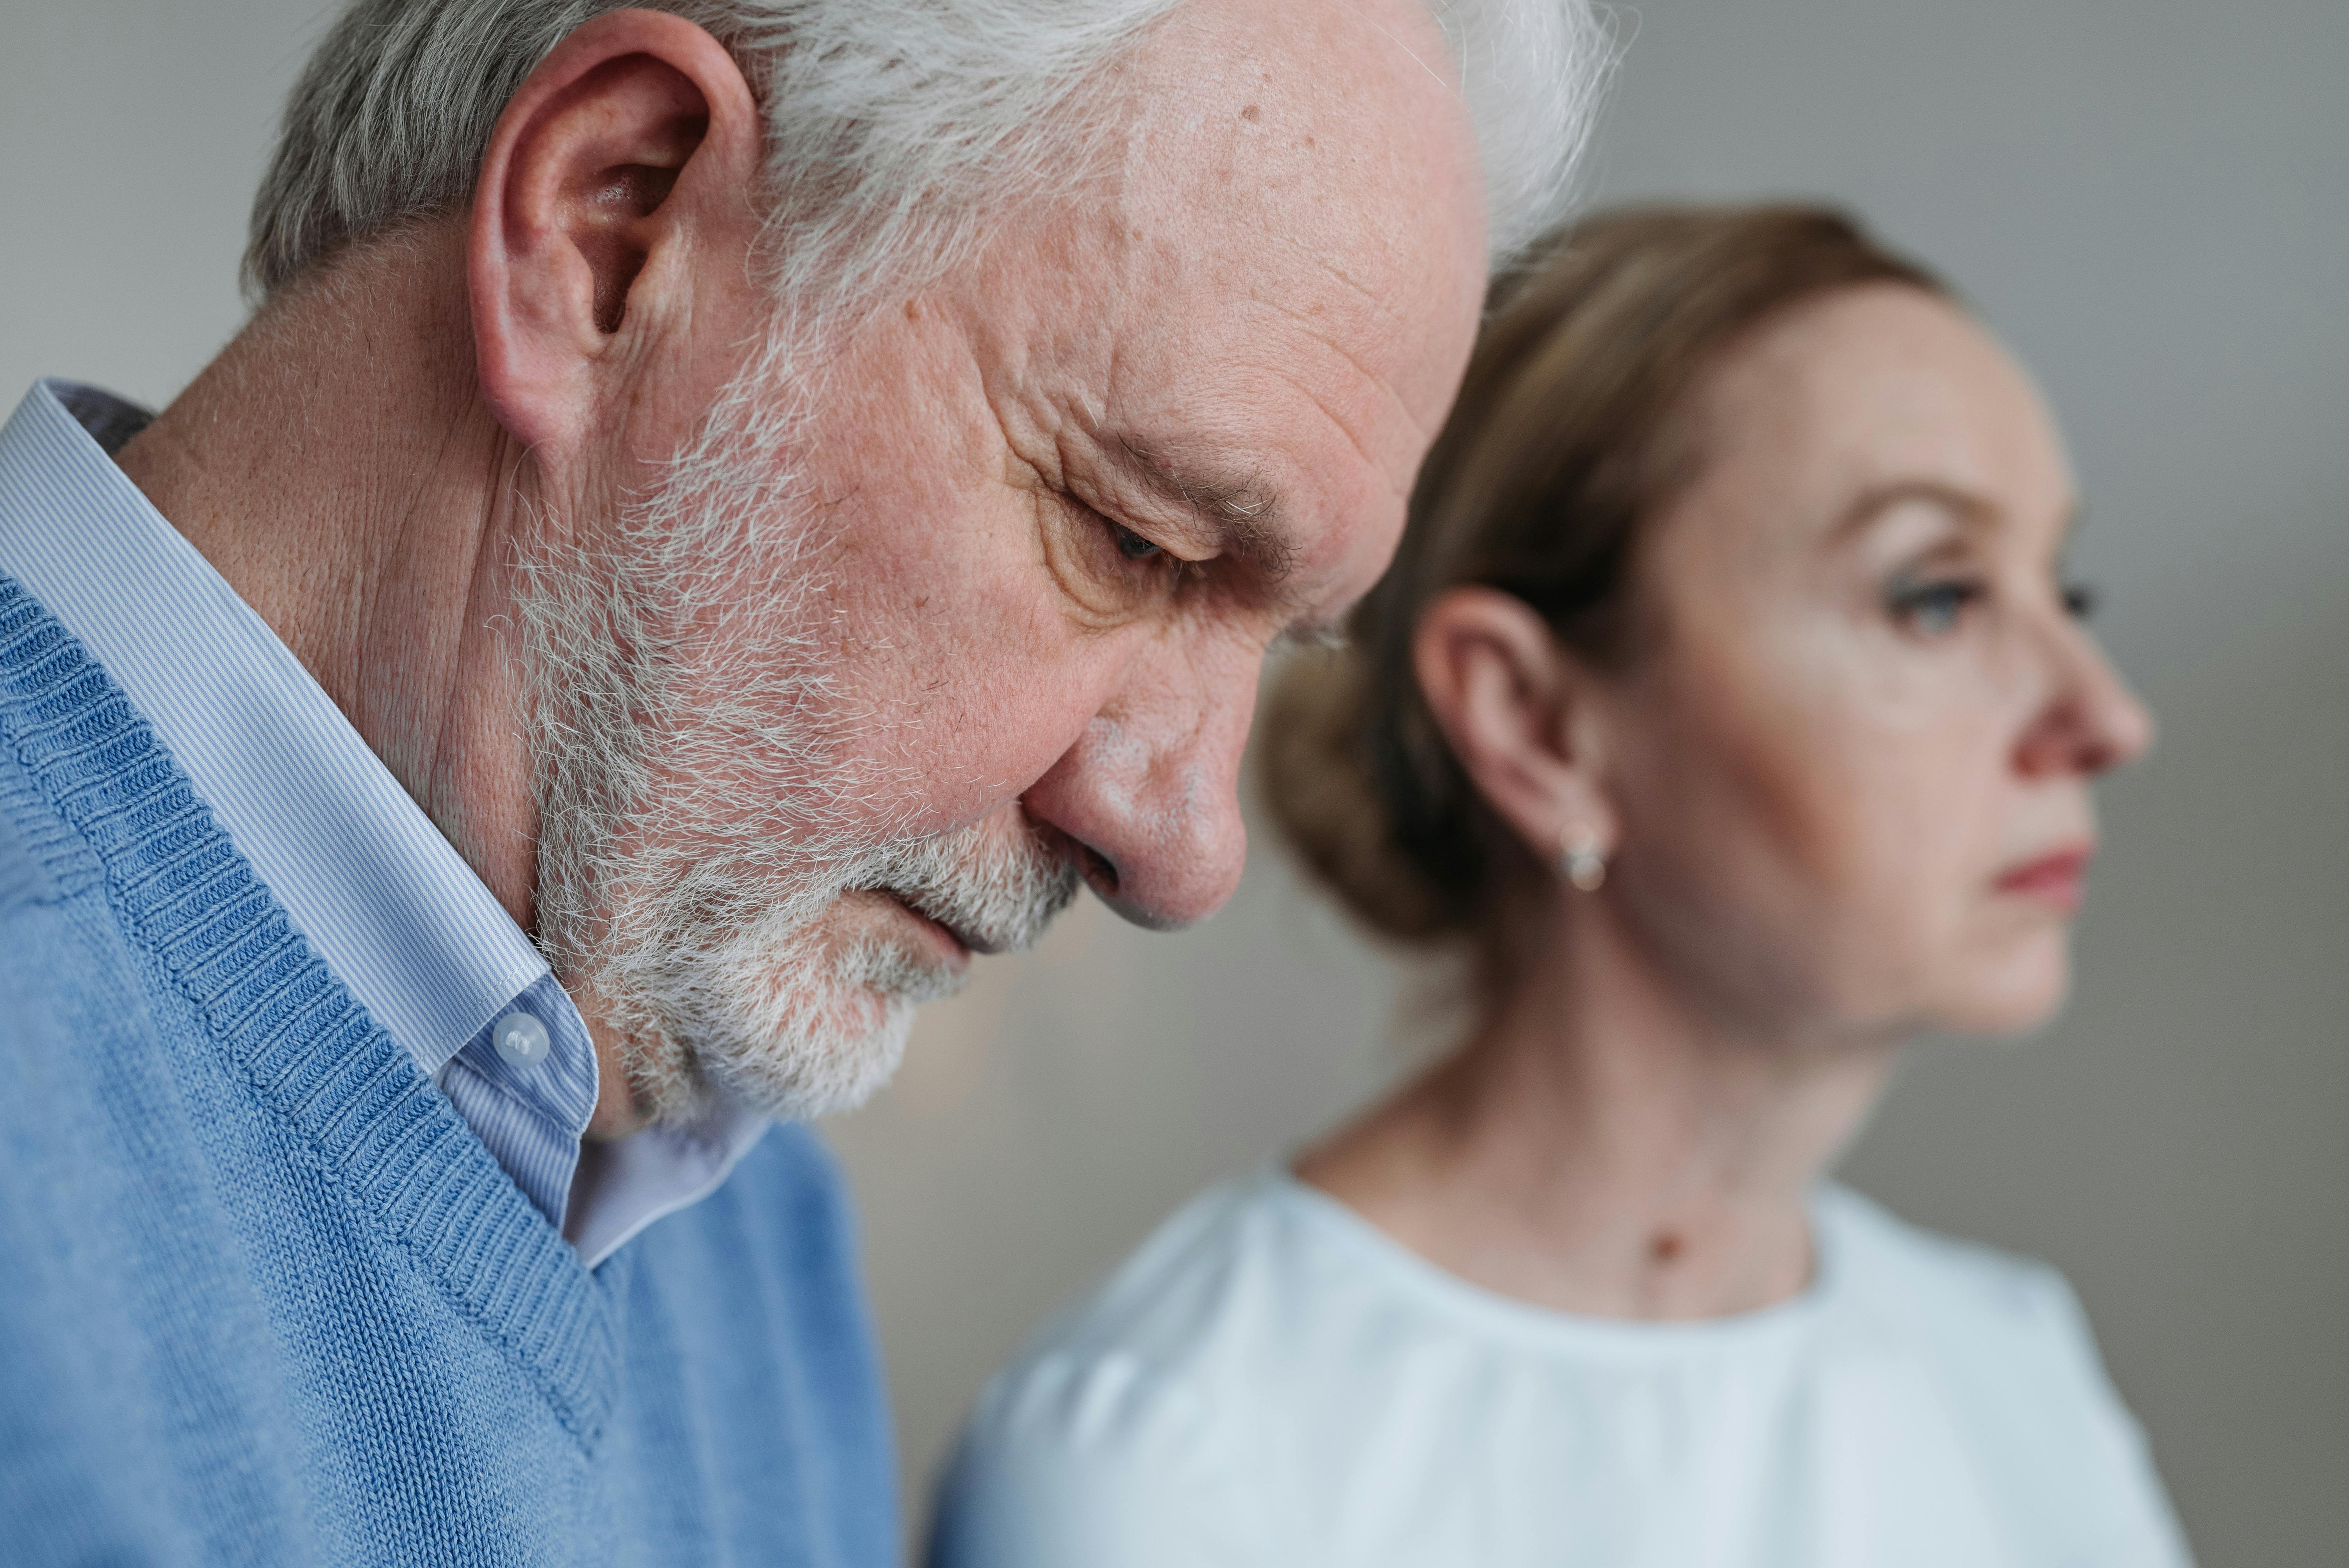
(1975, 512)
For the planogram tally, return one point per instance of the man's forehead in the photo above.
(1274, 400)
(1327, 127)
(1261, 320)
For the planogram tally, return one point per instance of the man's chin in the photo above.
(799, 1078)
(803, 1010)
(825, 1043)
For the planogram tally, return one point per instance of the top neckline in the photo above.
(1493, 1311)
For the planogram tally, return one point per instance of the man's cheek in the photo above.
(989, 748)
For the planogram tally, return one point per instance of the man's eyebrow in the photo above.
(1244, 512)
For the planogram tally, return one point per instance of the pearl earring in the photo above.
(1580, 861)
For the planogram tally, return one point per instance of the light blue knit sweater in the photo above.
(264, 1299)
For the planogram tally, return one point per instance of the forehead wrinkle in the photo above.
(1310, 328)
(1390, 314)
(1306, 327)
(1322, 261)
(1353, 438)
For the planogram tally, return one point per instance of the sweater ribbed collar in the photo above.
(284, 1026)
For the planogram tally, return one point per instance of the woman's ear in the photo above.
(1521, 714)
(624, 166)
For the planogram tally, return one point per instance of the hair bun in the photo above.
(1315, 759)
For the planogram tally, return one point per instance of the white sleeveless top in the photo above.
(1271, 1380)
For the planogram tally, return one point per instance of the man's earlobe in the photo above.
(629, 145)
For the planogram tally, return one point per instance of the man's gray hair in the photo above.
(883, 116)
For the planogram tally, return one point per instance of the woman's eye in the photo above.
(1131, 545)
(1933, 609)
(2080, 600)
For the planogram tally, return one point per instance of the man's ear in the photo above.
(1520, 714)
(631, 150)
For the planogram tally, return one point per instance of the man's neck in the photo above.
(337, 468)
(1600, 1147)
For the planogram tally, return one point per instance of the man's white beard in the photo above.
(697, 824)
(785, 1012)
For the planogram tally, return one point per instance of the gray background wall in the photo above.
(2148, 197)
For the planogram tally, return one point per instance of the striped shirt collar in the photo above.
(362, 872)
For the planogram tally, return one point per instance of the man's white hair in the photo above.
(891, 124)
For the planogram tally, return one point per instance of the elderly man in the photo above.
(724, 512)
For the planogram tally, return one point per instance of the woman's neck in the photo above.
(1598, 1148)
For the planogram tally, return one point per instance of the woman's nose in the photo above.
(2092, 722)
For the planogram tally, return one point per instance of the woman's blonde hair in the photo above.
(1571, 432)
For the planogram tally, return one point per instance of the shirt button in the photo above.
(521, 1039)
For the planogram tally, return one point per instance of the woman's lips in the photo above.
(2058, 878)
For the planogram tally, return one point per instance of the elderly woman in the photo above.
(1729, 709)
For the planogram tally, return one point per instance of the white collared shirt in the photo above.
(373, 886)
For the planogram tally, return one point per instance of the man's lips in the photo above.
(951, 944)
(2057, 877)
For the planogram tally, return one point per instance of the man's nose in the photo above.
(1149, 792)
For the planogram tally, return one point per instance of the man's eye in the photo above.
(1131, 545)
(1110, 572)
(1933, 609)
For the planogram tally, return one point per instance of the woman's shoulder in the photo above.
(1117, 1433)
(2017, 1364)
(1886, 1264)
(2007, 1331)
(1217, 1283)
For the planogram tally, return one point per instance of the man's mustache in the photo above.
(995, 897)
